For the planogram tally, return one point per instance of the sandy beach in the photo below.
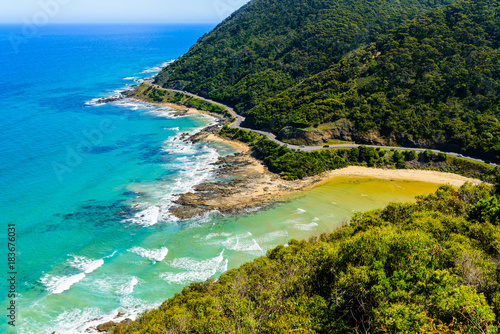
(403, 174)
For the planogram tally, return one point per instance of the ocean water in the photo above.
(88, 186)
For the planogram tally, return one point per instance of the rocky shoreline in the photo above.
(240, 182)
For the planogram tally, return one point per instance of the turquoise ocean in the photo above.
(88, 186)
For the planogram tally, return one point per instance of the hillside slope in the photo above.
(434, 82)
(269, 45)
(357, 70)
(425, 267)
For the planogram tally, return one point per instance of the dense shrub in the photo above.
(421, 267)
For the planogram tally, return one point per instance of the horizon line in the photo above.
(110, 23)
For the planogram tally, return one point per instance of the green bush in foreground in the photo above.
(425, 267)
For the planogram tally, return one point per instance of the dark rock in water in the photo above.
(188, 212)
(120, 314)
(104, 100)
(102, 149)
(126, 321)
(106, 327)
(183, 136)
(129, 193)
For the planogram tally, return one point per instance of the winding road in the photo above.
(240, 119)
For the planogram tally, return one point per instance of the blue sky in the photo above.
(117, 11)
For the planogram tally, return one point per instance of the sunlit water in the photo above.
(89, 186)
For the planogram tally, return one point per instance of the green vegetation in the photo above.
(149, 92)
(410, 73)
(295, 164)
(425, 267)
(269, 45)
(432, 83)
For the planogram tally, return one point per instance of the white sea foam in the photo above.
(250, 210)
(315, 219)
(273, 236)
(164, 112)
(128, 288)
(86, 265)
(299, 210)
(132, 105)
(95, 102)
(216, 235)
(129, 78)
(242, 243)
(103, 285)
(306, 227)
(195, 165)
(110, 285)
(291, 221)
(191, 264)
(111, 255)
(59, 284)
(146, 217)
(111, 97)
(85, 321)
(158, 68)
(195, 270)
(75, 320)
(173, 129)
(155, 255)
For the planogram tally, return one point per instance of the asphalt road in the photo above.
(240, 119)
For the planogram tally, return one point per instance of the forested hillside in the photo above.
(425, 267)
(432, 83)
(409, 73)
(270, 45)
